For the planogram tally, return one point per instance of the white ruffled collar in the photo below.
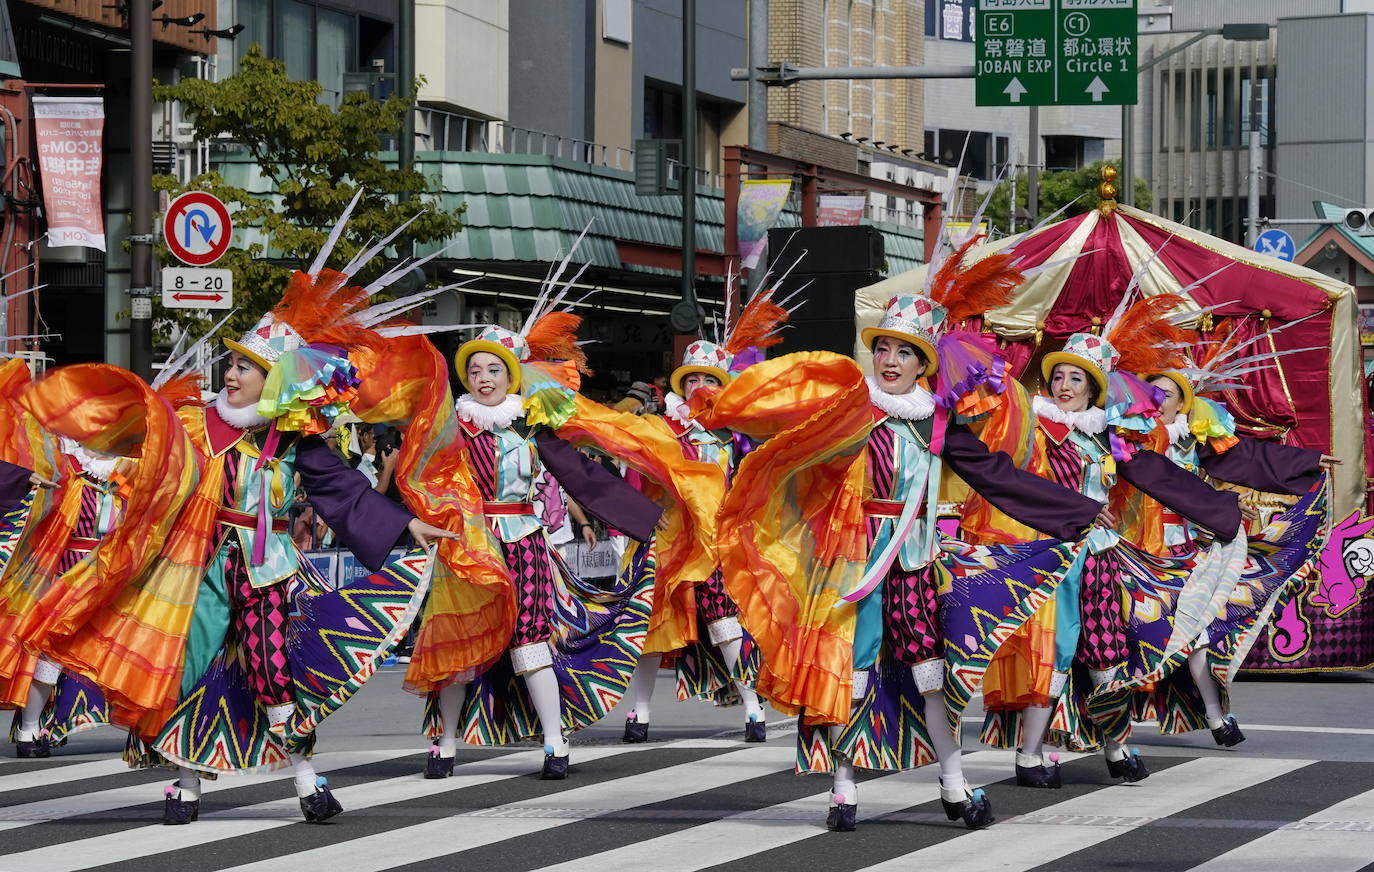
(915, 405)
(238, 417)
(1091, 420)
(1178, 428)
(675, 407)
(97, 466)
(490, 418)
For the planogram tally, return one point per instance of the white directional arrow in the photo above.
(1097, 88)
(1015, 89)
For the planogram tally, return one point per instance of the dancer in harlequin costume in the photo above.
(868, 620)
(1203, 439)
(526, 648)
(1088, 433)
(697, 622)
(223, 655)
(98, 491)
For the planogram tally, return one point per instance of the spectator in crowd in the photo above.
(636, 398)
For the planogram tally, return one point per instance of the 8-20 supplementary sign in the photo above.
(1056, 52)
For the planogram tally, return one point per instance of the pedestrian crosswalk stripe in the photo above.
(452, 835)
(44, 777)
(1026, 841)
(1338, 838)
(735, 837)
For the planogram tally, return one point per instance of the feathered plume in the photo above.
(758, 325)
(970, 290)
(321, 308)
(182, 390)
(1144, 336)
(1219, 365)
(554, 337)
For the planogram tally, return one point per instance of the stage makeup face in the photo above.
(488, 378)
(698, 380)
(1071, 387)
(243, 380)
(896, 365)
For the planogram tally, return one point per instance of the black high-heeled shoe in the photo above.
(635, 732)
(1228, 735)
(555, 768)
(975, 809)
(842, 817)
(320, 805)
(755, 730)
(1042, 776)
(39, 748)
(176, 810)
(1131, 767)
(438, 766)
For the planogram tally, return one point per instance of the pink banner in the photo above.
(70, 133)
(840, 210)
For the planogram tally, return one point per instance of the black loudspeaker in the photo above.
(825, 334)
(825, 249)
(827, 295)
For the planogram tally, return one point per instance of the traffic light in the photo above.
(1360, 220)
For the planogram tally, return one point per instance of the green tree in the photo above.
(314, 158)
(1056, 189)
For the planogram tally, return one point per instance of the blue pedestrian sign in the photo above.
(1276, 243)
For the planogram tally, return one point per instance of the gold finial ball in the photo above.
(1097, 322)
(1266, 314)
(1108, 173)
(1106, 191)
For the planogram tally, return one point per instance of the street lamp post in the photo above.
(141, 187)
(1232, 32)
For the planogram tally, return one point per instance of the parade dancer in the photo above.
(1087, 433)
(829, 543)
(697, 623)
(523, 647)
(221, 657)
(1203, 439)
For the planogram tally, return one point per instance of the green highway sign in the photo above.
(1056, 53)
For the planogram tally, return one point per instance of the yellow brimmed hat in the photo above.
(706, 358)
(910, 318)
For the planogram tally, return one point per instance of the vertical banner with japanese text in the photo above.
(70, 133)
(760, 204)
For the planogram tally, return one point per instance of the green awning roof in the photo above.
(531, 208)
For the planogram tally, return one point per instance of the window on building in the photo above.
(975, 146)
(333, 52)
(663, 120)
(316, 42)
(1249, 90)
(662, 112)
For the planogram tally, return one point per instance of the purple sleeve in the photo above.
(14, 483)
(1264, 466)
(1183, 492)
(367, 522)
(596, 490)
(1036, 502)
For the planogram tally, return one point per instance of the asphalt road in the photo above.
(1299, 793)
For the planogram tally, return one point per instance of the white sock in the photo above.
(304, 772)
(33, 710)
(1207, 687)
(946, 746)
(1113, 751)
(188, 784)
(1035, 722)
(753, 706)
(450, 707)
(542, 685)
(642, 685)
(845, 790)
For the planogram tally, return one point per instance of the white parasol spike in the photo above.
(359, 261)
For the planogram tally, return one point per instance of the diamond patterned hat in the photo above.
(269, 339)
(1091, 353)
(911, 318)
(706, 358)
(511, 347)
